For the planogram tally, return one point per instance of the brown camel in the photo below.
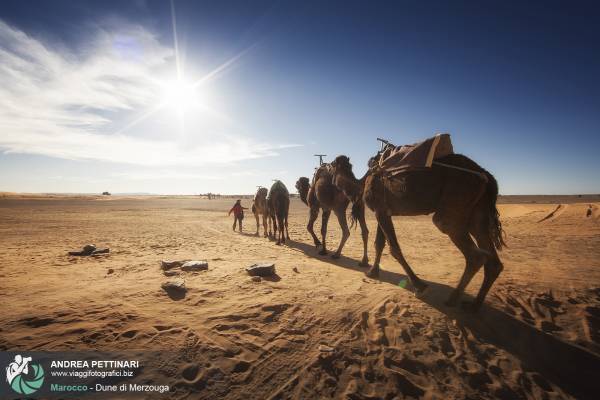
(323, 194)
(463, 205)
(259, 208)
(278, 204)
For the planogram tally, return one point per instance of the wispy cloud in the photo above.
(64, 103)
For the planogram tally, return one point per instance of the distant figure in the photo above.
(105, 193)
(238, 213)
(589, 211)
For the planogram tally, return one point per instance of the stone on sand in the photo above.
(323, 348)
(195, 266)
(168, 264)
(89, 250)
(174, 285)
(262, 269)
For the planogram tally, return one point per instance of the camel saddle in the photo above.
(321, 171)
(394, 160)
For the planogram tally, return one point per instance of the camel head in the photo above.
(341, 166)
(302, 185)
(344, 178)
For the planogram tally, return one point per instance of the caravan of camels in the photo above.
(419, 179)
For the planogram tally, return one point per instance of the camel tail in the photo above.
(355, 213)
(495, 230)
(358, 205)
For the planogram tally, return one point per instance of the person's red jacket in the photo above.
(237, 210)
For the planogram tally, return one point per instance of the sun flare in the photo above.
(180, 95)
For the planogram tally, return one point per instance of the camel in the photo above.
(259, 208)
(278, 204)
(463, 204)
(323, 194)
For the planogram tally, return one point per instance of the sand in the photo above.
(320, 328)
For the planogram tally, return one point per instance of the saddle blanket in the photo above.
(419, 155)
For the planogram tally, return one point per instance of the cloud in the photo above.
(64, 103)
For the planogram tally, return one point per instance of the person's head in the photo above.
(238, 201)
(18, 358)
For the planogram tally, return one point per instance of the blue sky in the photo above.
(99, 96)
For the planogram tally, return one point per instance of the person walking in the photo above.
(238, 214)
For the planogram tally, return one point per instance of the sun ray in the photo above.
(141, 117)
(223, 67)
(176, 41)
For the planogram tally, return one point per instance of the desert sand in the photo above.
(320, 328)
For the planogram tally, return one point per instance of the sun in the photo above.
(180, 95)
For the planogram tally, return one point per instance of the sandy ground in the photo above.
(320, 329)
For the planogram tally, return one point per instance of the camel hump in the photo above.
(261, 193)
(324, 171)
(279, 188)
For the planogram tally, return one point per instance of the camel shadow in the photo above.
(311, 251)
(568, 365)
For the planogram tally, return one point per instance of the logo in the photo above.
(24, 378)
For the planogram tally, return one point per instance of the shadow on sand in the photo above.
(573, 368)
(175, 294)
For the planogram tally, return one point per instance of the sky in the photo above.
(188, 97)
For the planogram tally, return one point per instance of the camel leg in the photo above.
(341, 216)
(274, 222)
(364, 231)
(287, 233)
(314, 213)
(491, 269)
(324, 220)
(257, 218)
(269, 224)
(281, 223)
(264, 221)
(474, 260)
(387, 226)
(379, 245)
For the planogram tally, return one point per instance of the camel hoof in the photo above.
(373, 273)
(335, 256)
(317, 244)
(323, 252)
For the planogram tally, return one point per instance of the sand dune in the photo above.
(320, 328)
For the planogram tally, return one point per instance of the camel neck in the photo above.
(349, 185)
(303, 194)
